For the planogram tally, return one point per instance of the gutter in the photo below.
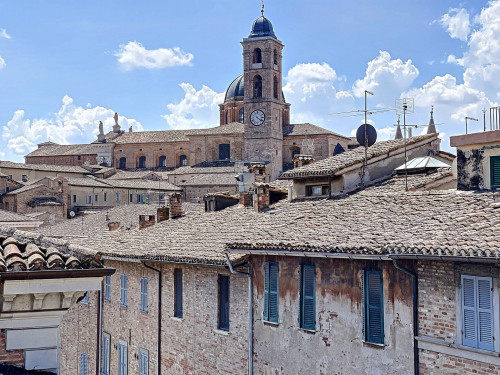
(415, 313)
(56, 274)
(160, 277)
(250, 311)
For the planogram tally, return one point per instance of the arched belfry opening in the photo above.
(275, 87)
(275, 57)
(257, 86)
(257, 56)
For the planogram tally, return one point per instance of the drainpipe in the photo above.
(99, 335)
(250, 311)
(415, 313)
(160, 276)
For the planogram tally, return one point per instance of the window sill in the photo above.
(272, 324)
(177, 319)
(309, 331)
(373, 344)
(222, 332)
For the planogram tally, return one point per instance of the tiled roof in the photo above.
(202, 170)
(61, 150)
(23, 189)
(225, 179)
(159, 136)
(27, 251)
(87, 181)
(44, 167)
(132, 175)
(142, 184)
(8, 216)
(307, 129)
(332, 164)
(231, 128)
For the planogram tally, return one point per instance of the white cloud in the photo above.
(134, 55)
(386, 78)
(3, 34)
(457, 23)
(2, 63)
(71, 124)
(198, 108)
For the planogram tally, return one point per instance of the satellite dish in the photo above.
(72, 213)
(371, 135)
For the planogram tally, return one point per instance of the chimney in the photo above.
(175, 205)
(301, 160)
(146, 221)
(259, 170)
(246, 199)
(162, 214)
(261, 196)
(113, 225)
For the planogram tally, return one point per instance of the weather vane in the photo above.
(262, 9)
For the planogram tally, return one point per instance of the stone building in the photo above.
(254, 126)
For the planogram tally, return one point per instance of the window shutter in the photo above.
(273, 292)
(308, 297)
(107, 288)
(178, 292)
(144, 294)
(83, 364)
(469, 333)
(485, 313)
(495, 171)
(105, 357)
(266, 291)
(224, 302)
(374, 307)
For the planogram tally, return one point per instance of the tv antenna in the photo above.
(469, 118)
(404, 106)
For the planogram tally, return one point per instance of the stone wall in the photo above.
(336, 346)
(323, 146)
(152, 151)
(195, 194)
(206, 148)
(75, 160)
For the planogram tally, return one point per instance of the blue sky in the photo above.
(65, 66)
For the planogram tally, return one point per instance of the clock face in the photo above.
(257, 117)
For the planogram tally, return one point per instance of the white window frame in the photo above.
(122, 355)
(144, 294)
(143, 361)
(123, 289)
(106, 352)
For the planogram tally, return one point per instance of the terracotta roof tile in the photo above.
(307, 129)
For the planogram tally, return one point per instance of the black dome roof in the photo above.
(235, 91)
(262, 27)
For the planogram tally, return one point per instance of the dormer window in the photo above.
(257, 56)
(257, 86)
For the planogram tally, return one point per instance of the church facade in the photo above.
(254, 126)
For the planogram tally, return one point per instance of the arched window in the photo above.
(257, 86)
(142, 162)
(123, 163)
(183, 160)
(275, 57)
(241, 115)
(275, 87)
(162, 161)
(257, 56)
(295, 151)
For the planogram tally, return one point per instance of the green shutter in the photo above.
(266, 291)
(373, 307)
(495, 171)
(308, 297)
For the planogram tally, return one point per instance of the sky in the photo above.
(66, 65)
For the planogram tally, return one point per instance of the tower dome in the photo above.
(235, 92)
(262, 27)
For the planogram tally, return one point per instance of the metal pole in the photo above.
(404, 127)
(465, 125)
(484, 119)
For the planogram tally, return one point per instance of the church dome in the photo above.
(262, 27)
(235, 91)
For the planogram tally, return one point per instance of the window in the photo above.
(131, 198)
(495, 171)
(183, 160)
(224, 151)
(117, 197)
(308, 297)
(373, 307)
(89, 199)
(106, 346)
(24, 178)
(143, 362)
(122, 163)
(142, 162)
(84, 363)
(316, 190)
(275, 88)
(271, 292)
(241, 115)
(79, 157)
(295, 151)
(275, 57)
(338, 149)
(96, 198)
(257, 56)
(477, 312)
(224, 302)
(162, 161)
(105, 197)
(107, 288)
(257, 86)
(123, 289)
(178, 292)
(122, 357)
(74, 198)
(85, 298)
(147, 198)
(144, 294)
(140, 198)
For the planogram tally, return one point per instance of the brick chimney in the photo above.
(259, 170)
(246, 199)
(113, 225)
(301, 160)
(146, 221)
(175, 205)
(261, 196)
(162, 213)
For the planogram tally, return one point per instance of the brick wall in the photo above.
(432, 363)
(78, 160)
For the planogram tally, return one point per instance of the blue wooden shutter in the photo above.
(485, 313)
(273, 292)
(495, 171)
(308, 297)
(223, 302)
(107, 288)
(469, 311)
(83, 364)
(266, 291)
(122, 359)
(374, 307)
(105, 357)
(178, 292)
(144, 294)
(123, 299)
(144, 362)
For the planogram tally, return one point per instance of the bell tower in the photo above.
(265, 107)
